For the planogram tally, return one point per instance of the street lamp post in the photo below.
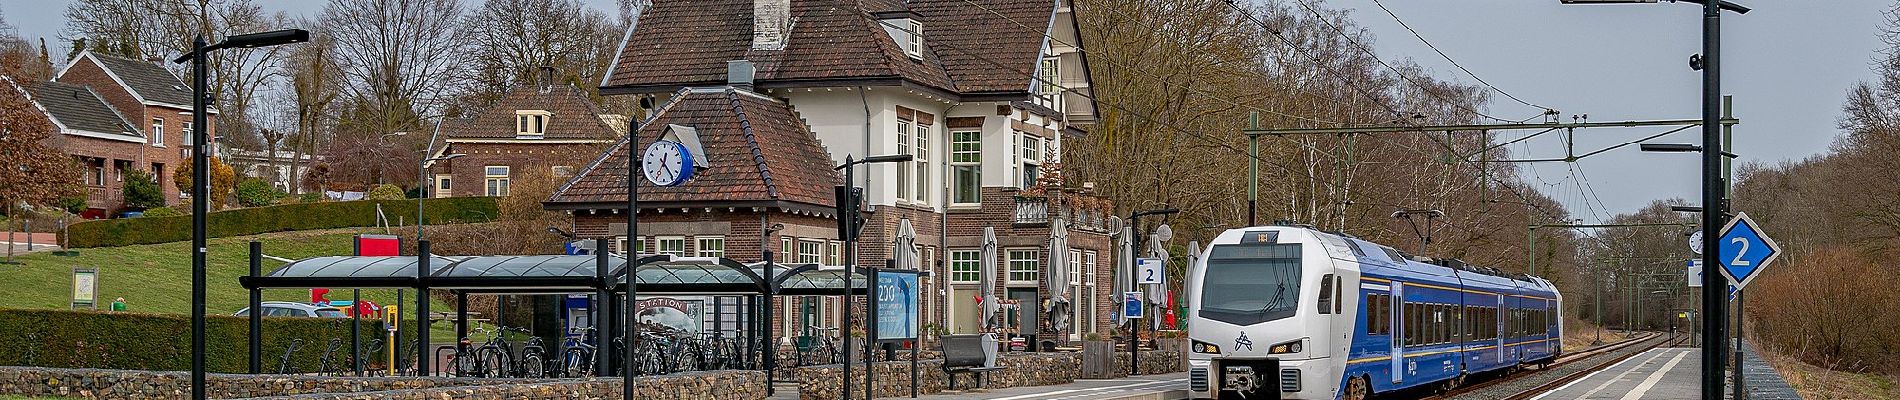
(201, 189)
(422, 173)
(1134, 284)
(850, 200)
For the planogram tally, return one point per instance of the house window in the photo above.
(1023, 267)
(834, 253)
(620, 245)
(496, 180)
(903, 147)
(188, 141)
(672, 246)
(710, 246)
(1049, 83)
(158, 132)
(810, 251)
(1032, 159)
(966, 266)
(920, 161)
(966, 163)
(915, 46)
(563, 171)
(786, 253)
(531, 124)
(1075, 268)
(442, 185)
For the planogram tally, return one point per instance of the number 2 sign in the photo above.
(1149, 271)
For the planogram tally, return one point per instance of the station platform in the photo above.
(1670, 373)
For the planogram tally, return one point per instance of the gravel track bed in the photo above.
(1537, 378)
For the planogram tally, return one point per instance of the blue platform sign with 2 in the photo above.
(1744, 250)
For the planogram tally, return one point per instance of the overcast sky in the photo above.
(1788, 63)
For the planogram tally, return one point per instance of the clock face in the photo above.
(667, 163)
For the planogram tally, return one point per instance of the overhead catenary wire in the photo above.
(1317, 16)
(1454, 63)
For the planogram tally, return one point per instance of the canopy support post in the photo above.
(599, 305)
(422, 308)
(356, 331)
(767, 349)
(461, 324)
(257, 304)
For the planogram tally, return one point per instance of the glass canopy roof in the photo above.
(656, 274)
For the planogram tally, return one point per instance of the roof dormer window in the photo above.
(531, 124)
(915, 45)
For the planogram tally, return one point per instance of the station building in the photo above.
(982, 94)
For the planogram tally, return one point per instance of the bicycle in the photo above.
(820, 350)
(532, 365)
(577, 356)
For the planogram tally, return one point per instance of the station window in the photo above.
(966, 266)
(672, 245)
(714, 246)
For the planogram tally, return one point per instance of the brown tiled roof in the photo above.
(573, 116)
(759, 149)
(679, 43)
(973, 40)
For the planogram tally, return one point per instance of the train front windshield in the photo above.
(1247, 284)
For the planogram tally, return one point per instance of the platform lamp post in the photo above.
(850, 200)
(200, 187)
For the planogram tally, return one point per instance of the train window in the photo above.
(1326, 294)
(1339, 293)
(1409, 327)
(1378, 314)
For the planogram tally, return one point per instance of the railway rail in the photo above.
(1640, 344)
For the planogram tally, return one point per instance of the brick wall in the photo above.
(525, 161)
(140, 116)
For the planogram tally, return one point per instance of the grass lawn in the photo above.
(156, 278)
(1819, 383)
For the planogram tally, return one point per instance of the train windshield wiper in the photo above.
(1279, 295)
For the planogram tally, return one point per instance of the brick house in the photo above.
(543, 127)
(982, 109)
(115, 114)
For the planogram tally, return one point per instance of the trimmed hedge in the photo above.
(162, 342)
(288, 217)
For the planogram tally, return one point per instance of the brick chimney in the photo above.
(771, 24)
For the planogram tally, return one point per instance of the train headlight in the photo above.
(1205, 347)
(1286, 348)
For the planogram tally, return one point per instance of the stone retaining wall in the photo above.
(144, 385)
(710, 385)
(139, 385)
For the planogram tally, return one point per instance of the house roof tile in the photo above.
(758, 148)
(969, 49)
(150, 81)
(79, 108)
(573, 116)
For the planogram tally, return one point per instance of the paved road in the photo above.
(1156, 387)
(1659, 374)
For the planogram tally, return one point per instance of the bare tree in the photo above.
(512, 39)
(398, 60)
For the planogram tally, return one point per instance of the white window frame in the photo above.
(444, 185)
(158, 132)
(903, 171)
(620, 245)
(188, 133)
(834, 252)
(1031, 155)
(531, 124)
(1013, 258)
(966, 155)
(813, 254)
(1049, 82)
(709, 246)
(970, 258)
(787, 252)
(1075, 268)
(915, 46)
(495, 185)
(920, 162)
(670, 245)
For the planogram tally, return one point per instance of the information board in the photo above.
(897, 294)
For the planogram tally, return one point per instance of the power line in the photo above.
(1395, 71)
(1461, 67)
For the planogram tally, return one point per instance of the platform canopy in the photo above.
(527, 274)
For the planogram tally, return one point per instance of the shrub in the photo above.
(72, 204)
(384, 192)
(222, 179)
(161, 212)
(141, 190)
(256, 192)
(162, 342)
(290, 217)
(311, 197)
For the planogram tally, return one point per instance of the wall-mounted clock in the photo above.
(667, 163)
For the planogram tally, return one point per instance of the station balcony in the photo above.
(1083, 211)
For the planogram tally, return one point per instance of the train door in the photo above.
(1498, 325)
(1398, 332)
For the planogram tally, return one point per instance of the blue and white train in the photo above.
(1286, 312)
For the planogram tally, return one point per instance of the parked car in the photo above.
(291, 309)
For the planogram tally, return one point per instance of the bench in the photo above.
(965, 354)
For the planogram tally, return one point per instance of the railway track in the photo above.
(1640, 344)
